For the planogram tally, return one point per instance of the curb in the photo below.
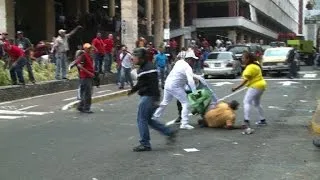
(97, 99)
(315, 123)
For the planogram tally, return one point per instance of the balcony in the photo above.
(239, 22)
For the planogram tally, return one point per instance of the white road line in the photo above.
(28, 107)
(310, 76)
(23, 112)
(99, 92)
(45, 95)
(282, 79)
(11, 117)
(69, 99)
(225, 97)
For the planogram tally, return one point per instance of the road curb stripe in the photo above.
(97, 99)
(315, 123)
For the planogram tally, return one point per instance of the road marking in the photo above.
(11, 117)
(221, 83)
(191, 150)
(99, 92)
(310, 76)
(288, 83)
(45, 95)
(282, 79)
(307, 72)
(69, 99)
(28, 107)
(226, 97)
(23, 112)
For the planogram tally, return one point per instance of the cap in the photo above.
(19, 32)
(139, 52)
(87, 46)
(61, 31)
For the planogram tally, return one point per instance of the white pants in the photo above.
(253, 97)
(180, 95)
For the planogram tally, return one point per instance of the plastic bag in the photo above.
(200, 100)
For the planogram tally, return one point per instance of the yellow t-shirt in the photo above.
(253, 74)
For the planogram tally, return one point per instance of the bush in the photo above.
(42, 72)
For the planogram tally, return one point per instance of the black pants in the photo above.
(29, 69)
(85, 94)
(293, 68)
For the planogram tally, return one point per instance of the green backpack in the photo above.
(199, 101)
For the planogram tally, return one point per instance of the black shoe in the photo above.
(121, 87)
(33, 82)
(316, 142)
(178, 120)
(80, 109)
(87, 112)
(172, 138)
(65, 78)
(261, 122)
(14, 83)
(246, 124)
(141, 148)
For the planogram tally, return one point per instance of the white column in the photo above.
(129, 23)
(232, 35)
(7, 17)
(50, 21)
(112, 8)
(158, 23)
(181, 17)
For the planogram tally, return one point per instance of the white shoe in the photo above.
(186, 126)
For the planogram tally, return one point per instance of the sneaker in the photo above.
(178, 120)
(186, 126)
(261, 122)
(245, 124)
(141, 148)
(172, 138)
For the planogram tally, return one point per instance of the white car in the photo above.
(222, 63)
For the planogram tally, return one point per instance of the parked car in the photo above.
(222, 63)
(238, 49)
(265, 47)
(276, 60)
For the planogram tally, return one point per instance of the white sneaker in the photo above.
(186, 126)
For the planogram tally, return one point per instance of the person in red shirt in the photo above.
(108, 56)
(18, 60)
(86, 73)
(99, 52)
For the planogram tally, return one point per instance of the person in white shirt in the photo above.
(60, 48)
(126, 65)
(180, 75)
(182, 53)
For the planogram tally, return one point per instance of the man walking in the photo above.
(148, 89)
(25, 44)
(61, 47)
(108, 56)
(126, 65)
(86, 74)
(161, 61)
(99, 52)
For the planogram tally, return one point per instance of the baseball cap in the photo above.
(61, 31)
(87, 46)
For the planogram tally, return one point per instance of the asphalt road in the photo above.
(65, 145)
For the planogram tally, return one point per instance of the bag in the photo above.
(199, 101)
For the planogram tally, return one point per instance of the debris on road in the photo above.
(191, 150)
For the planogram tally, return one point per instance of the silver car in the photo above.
(222, 63)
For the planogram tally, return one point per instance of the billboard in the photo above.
(312, 16)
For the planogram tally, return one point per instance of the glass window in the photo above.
(220, 56)
(238, 49)
(276, 52)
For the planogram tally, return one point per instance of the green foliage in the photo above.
(42, 72)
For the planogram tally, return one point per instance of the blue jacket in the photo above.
(161, 60)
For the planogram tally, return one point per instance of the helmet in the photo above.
(141, 53)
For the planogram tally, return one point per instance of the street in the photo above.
(39, 141)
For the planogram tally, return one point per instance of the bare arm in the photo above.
(243, 82)
(74, 31)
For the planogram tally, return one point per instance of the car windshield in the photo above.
(238, 49)
(219, 56)
(276, 52)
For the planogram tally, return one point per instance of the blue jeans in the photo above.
(98, 60)
(162, 75)
(61, 65)
(147, 107)
(125, 76)
(17, 70)
(107, 62)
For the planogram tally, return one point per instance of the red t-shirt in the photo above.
(87, 63)
(108, 45)
(14, 52)
(98, 43)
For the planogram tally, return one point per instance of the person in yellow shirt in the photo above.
(253, 79)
